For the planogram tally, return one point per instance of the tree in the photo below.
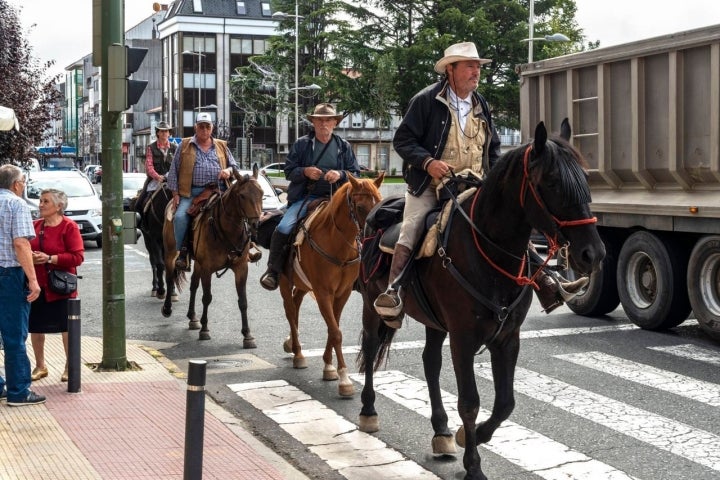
(24, 87)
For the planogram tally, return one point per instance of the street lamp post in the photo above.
(297, 17)
(555, 37)
(199, 55)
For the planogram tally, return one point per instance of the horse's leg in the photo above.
(291, 303)
(503, 359)
(160, 267)
(169, 280)
(369, 421)
(336, 303)
(442, 442)
(241, 273)
(194, 324)
(206, 279)
(463, 347)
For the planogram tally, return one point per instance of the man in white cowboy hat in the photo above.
(199, 161)
(448, 127)
(317, 165)
(158, 158)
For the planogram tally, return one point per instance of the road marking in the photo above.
(675, 437)
(352, 453)
(528, 334)
(649, 376)
(528, 449)
(691, 352)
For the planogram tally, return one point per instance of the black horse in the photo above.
(476, 288)
(151, 226)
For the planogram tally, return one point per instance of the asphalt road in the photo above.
(596, 398)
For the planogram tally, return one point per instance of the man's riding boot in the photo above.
(279, 247)
(182, 259)
(554, 290)
(389, 305)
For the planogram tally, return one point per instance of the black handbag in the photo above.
(59, 281)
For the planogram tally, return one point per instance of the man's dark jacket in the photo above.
(424, 130)
(301, 156)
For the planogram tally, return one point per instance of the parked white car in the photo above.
(84, 205)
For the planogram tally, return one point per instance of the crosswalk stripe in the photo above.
(525, 334)
(692, 352)
(354, 454)
(523, 447)
(675, 437)
(649, 376)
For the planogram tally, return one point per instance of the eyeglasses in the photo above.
(22, 180)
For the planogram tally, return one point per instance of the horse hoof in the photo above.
(460, 436)
(329, 373)
(249, 343)
(299, 362)
(153, 293)
(369, 424)
(287, 345)
(161, 296)
(166, 312)
(345, 390)
(193, 325)
(443, 445)
(174, 297)
(204, 336)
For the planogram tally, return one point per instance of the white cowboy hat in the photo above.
(325, 110)
(457, 53)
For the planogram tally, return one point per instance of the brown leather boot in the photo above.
(389, 305)
(554, 291)
(279, 248)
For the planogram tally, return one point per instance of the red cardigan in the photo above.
(63, 240)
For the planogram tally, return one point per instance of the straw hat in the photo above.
(325, 110)
(163, 126)
(457, 53)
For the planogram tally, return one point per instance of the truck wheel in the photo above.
(651, 275)
(601, 295)
(703, 280)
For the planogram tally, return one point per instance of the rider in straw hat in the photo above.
(448, 127)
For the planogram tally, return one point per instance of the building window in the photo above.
(266, 9)
(363, 154)
(197, 6)
(357, 121)
(240, 7)
(383, 158)
(259, 47)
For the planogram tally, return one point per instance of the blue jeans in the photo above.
(14, 329)
(182, 219)
(294, 213)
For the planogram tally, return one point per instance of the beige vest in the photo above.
(464, 150)
(187, 163)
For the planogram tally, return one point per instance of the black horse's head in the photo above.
(556, 197)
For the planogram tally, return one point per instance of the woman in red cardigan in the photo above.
(58, 245)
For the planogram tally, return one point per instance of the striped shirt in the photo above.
(15, 222)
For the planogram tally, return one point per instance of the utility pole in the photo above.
(111, 14)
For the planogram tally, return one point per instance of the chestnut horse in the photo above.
(476, 286)
(327, 263)
(221, 241)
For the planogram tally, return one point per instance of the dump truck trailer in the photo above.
(646, 117)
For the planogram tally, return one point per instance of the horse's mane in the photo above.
(560, 157)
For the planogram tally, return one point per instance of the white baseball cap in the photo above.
(203, 117)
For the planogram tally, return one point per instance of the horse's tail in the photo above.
(179, 279)
(385, 336)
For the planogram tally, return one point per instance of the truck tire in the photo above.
(703, 280)
(651, 275)
(601, 295)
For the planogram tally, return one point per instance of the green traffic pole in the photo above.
(114, 352)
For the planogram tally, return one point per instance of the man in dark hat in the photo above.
(316, 167)
(158, 158)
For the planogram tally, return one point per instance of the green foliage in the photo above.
(24, 87)
(372, 56)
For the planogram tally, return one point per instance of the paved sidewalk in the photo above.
(123, 425)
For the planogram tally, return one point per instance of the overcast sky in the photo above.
(63, 30)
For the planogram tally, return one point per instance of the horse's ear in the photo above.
(540, 137)
(255, 170)
(565, 130)
(353, 180)
(379, 179)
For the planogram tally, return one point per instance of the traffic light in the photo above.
(123, 61)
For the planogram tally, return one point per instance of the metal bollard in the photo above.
(194, 420)
(74, 337)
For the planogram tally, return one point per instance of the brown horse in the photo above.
(327, 263)
(221, 241)
(475, 288)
